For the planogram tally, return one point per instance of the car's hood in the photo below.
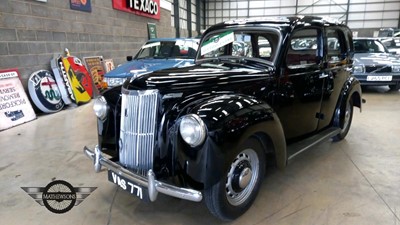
(200, 76)
(137, 67)
(376, 59)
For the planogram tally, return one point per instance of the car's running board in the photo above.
(299, 147)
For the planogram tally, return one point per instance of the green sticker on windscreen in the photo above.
(217, 42)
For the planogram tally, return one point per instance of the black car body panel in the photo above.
(296, 87)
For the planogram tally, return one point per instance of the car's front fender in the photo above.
(230, 120)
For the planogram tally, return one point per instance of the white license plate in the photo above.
(379, 78)
(128, 185)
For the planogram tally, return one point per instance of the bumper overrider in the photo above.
(153, 186)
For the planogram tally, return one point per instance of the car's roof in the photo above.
(173, 39)
(367, 38)
(285, 21)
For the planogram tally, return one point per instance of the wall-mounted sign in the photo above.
(73, 80)
(94, 64)
(15, 107)
(81, 5)
(79, 78)
(108, 65)
(62, 80)
(81, 73)
(44, 91)
(147, 8)
(152, 30)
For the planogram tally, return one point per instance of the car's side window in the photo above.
(304, 49)
(264, 47)
(242, 45)
(254, 43)
(336, 46)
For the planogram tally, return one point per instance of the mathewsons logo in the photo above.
(59, 196)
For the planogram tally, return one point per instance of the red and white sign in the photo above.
(15, 107)
(147, 8)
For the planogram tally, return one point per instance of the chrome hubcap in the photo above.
(347, 116)
(242, 177)
(245, 177)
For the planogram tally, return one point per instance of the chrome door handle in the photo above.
(323, 75)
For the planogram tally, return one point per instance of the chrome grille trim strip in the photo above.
(138, 129)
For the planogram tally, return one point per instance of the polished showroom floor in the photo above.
(356, 181)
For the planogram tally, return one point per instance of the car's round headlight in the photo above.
(100, 107)
(192, 129)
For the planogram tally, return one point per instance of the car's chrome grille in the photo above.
(138, 129)
(378, 69)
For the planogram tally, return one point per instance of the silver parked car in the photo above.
(374, 64)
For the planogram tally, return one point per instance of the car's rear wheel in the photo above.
(236, 190)
(346, 117)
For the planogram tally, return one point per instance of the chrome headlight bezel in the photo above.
(100, 107)
(358, 69)
(192, 130)
(396, 68)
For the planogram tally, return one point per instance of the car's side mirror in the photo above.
(129, 58)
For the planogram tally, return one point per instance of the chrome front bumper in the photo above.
(154, 186)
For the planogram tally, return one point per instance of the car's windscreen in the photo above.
(368, 46)
(181, 49)
(240, 43)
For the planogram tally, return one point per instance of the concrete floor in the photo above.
(356, 181)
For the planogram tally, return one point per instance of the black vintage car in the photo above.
(207, 131)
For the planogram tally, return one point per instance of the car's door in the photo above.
(300, 84)
(337, 69)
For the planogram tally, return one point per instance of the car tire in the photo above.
(346, 118)
(235, 192)
(394, 87)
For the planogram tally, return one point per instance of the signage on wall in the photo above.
(147, 8)
(79, 78)
(44, 91)
(15, 107)
(96, 70)
(73, 80)
(62, 80)
(108, 65)
(81, 5)
(152, 30)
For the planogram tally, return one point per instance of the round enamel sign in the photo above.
(44, 92)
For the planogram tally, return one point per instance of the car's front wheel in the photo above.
(236, 190)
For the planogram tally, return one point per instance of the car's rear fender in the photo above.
(351, 89)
